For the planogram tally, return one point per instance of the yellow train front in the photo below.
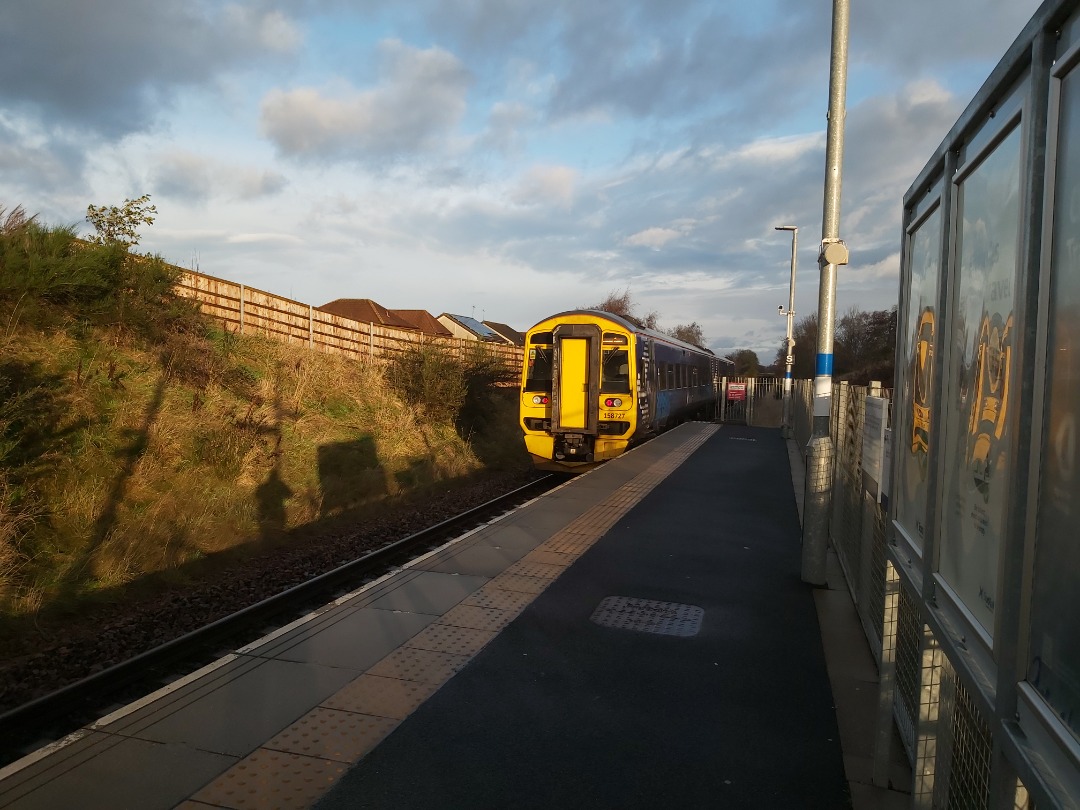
(594, 383)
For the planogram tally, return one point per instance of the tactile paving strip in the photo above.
(411, 664)
(381, 697)
(532, 568)
(490, 597)
(272, 779)
(521, 584)
(448, 638)
(648, 616)
(478, 618)
(333, 734)
(552, 558)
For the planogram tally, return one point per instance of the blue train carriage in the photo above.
(594, 383)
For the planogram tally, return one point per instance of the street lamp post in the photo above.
(789, 360)
(817, 503)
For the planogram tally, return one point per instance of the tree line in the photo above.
(863, 342)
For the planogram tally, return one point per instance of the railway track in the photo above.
(55, 715)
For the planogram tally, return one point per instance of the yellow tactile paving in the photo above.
(381, 697)
(478, 618)
(533, 568)
(552, 558)
(521, 584)
(332, 734)
(448, 638)
(489, 597)
(411, 664)
(359, 715)
(272, 780)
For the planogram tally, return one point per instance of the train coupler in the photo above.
(573, 447)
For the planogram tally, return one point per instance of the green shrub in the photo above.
(431, 379)
(48, 275)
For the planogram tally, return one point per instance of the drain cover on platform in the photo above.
(648, 616)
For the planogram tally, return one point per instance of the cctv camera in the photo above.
(780, 308)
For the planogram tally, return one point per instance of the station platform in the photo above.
(637, 637)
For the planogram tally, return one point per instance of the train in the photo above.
(594, 384)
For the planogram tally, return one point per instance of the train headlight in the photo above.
(612, 402)
(540, 400)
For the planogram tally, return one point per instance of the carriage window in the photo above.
(538, 376)
(615, 374)
(671, 376)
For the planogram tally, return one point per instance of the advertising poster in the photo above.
(914, 403)
(981, 383)
(1055, 626)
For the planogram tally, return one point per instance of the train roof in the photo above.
(631, 326)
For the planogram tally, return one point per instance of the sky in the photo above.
(503, 159)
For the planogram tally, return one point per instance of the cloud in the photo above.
(112, 64)
(197, 178)
(30, 162)
(264, 238)
(899, 37)
(420, 98)
(652, 237)
(506, 123)
(547, 186)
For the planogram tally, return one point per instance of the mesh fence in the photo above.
(874, 585)
(908, 669)
(965, 748)
(944, 733)
(846, 526)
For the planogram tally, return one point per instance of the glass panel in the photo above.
(1055, 610)
(917, 374)
(979, 419)
(538, 377)
(615, 373)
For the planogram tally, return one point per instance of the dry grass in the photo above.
(153, 456)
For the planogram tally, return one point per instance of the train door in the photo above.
(647, 396)
(576, 389)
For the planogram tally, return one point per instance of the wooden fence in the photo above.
(255, 312)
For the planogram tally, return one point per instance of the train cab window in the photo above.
(615, 339)
(538, 376)
(542, 337)
(615, 372)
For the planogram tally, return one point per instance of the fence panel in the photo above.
(251, 311)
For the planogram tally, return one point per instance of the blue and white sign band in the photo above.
(823, 385)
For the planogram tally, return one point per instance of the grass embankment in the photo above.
(136, 437)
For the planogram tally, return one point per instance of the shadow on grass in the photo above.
(349, 473)
(131, 453)
(22, 634)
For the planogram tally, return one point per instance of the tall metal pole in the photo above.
(789, 345)
(820, 452)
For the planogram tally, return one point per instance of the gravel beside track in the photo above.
(53, 655)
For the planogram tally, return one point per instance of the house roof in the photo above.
(366, 311)
(507, 332)
(482, 332)
(423, 320)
